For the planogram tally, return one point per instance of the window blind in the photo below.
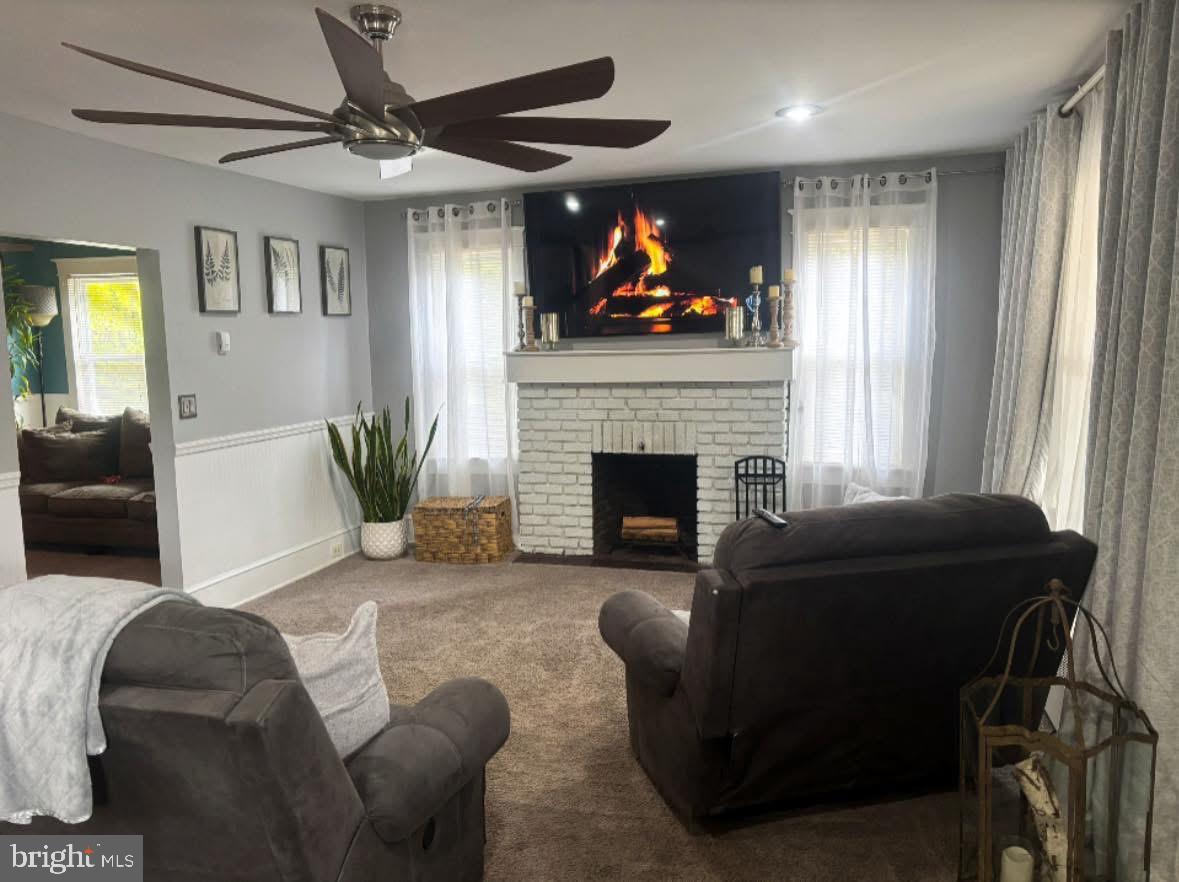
(106, 324)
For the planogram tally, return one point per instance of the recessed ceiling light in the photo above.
(799, 112)
(573, 203)
(659, 221)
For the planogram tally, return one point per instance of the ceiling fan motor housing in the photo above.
(375, 21)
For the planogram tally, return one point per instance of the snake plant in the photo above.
(383, 475)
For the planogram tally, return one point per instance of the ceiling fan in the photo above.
(379, 120)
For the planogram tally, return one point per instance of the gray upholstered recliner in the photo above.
(826, 657)
(217, 756)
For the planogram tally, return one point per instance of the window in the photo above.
(840, 327)
(865, 254)
(106, 335)
(461, 263)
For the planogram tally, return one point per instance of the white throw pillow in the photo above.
(342, 674)
(857, 493)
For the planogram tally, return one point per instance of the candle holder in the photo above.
(786, 312)
(753, 302)
(775, 341)
(520, 324)
(530, 329)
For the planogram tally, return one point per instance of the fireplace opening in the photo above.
(644, 507)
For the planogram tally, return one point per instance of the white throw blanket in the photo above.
(55, 632)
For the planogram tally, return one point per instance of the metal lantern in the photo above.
(1057, 774)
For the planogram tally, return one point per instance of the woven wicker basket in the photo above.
(449, 529)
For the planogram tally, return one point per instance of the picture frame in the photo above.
(219, 282)
(284, 283)
(335, 280)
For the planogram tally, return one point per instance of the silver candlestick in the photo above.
(754, 303)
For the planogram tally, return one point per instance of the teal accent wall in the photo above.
(36, 267)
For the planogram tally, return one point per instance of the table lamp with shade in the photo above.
(42, 301)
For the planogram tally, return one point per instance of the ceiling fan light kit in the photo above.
(379, 120)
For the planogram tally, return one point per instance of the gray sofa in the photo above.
(88, 481)
(826, 658)
(218, 758)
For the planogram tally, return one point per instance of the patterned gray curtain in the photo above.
(1132, 498)
(1037, 195)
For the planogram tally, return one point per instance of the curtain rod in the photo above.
(789, 182)
(990, 170)
(1084, 89)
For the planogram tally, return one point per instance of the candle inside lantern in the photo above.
(1017, 865)
(775, 292)
(527, 301)
(788, 275)
(755, 275)
(519, 289)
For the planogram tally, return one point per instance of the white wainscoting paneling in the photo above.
(12, 536)
(261, 509)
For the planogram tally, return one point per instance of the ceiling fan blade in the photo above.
(357, 63)
(561, 85)
(563, 130)
(392, 168)
(277, 148)
(505, 153)
(162, 74)
(129, 117)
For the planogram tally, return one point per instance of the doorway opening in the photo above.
(80, 402)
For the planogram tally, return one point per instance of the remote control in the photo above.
(770, 518)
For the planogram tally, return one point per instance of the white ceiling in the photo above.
(898, 78)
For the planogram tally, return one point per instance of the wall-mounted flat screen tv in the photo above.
(651, 258)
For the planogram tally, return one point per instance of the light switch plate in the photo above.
(188, 407)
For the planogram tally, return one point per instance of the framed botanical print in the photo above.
(284, 292)
(335, 277)
(219, 287)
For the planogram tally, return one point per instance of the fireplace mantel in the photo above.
(589, 366)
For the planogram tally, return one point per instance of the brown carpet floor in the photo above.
(566, 799)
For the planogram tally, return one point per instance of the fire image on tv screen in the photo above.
(654, 258)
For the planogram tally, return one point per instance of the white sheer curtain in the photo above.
(463, 261)
(864, 251)
(1063, 494)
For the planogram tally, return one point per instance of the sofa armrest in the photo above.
(427, 754)
(647, 636)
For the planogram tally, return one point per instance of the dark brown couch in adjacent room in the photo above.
(88, 481)
(827, 657)
(217, 757)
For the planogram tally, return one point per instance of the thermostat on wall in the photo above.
(188, 409)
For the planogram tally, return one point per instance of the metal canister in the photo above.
(735, 325)
(550, 330)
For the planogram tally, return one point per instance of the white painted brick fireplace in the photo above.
(716, 405)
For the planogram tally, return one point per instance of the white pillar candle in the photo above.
(1017, 865)
(788, 275)
(774, 292)
(755, 275)
(519, 289)
(528, 300)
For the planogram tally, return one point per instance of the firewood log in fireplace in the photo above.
(628, 269)
(653, 530)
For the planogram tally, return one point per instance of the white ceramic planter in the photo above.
(383, 541)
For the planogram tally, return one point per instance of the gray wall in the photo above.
(967, 302)
(282, 369)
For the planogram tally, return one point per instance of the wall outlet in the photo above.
(337, 549)
(187, 405)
